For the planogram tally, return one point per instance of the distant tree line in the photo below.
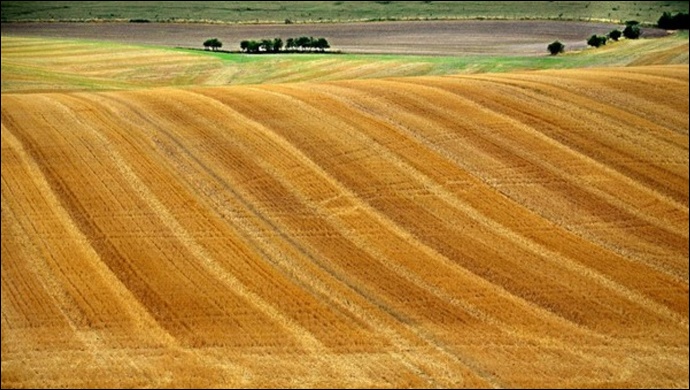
(276, 45)
(631, 31)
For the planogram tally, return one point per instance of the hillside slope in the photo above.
(515, 230)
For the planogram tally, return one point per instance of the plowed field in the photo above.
(515, 230)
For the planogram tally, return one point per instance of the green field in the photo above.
(647, 12)
(308, 67)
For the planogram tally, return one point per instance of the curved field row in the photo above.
(518, 230)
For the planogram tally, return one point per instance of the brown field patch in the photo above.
(517, 230)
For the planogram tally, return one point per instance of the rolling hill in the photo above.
(525, 229)
(48, 64)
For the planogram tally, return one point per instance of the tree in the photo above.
(290, 44)
(253, 47)
(267, 44)
(556, 47)
(250, 46)
(665, 21)
(277, 45)
(213, 43)
(615, 34)
(678, 21)
(303, 43)
(322, 44)
(596, 40)
(632, 31)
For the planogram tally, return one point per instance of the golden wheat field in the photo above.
(493, 230)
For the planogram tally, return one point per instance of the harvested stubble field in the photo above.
(511, 230)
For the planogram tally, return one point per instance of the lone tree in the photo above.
(596, 40)
(615, 34)
(213, 43)
(556, 47)
(632, 30)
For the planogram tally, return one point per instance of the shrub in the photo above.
(615, 34)
(596, 40)
(556, 47)
(632, 31)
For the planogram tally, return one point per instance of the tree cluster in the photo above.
(213, 43)
(265, 45)
(631, 31)
(678, 21)
(291, 44)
